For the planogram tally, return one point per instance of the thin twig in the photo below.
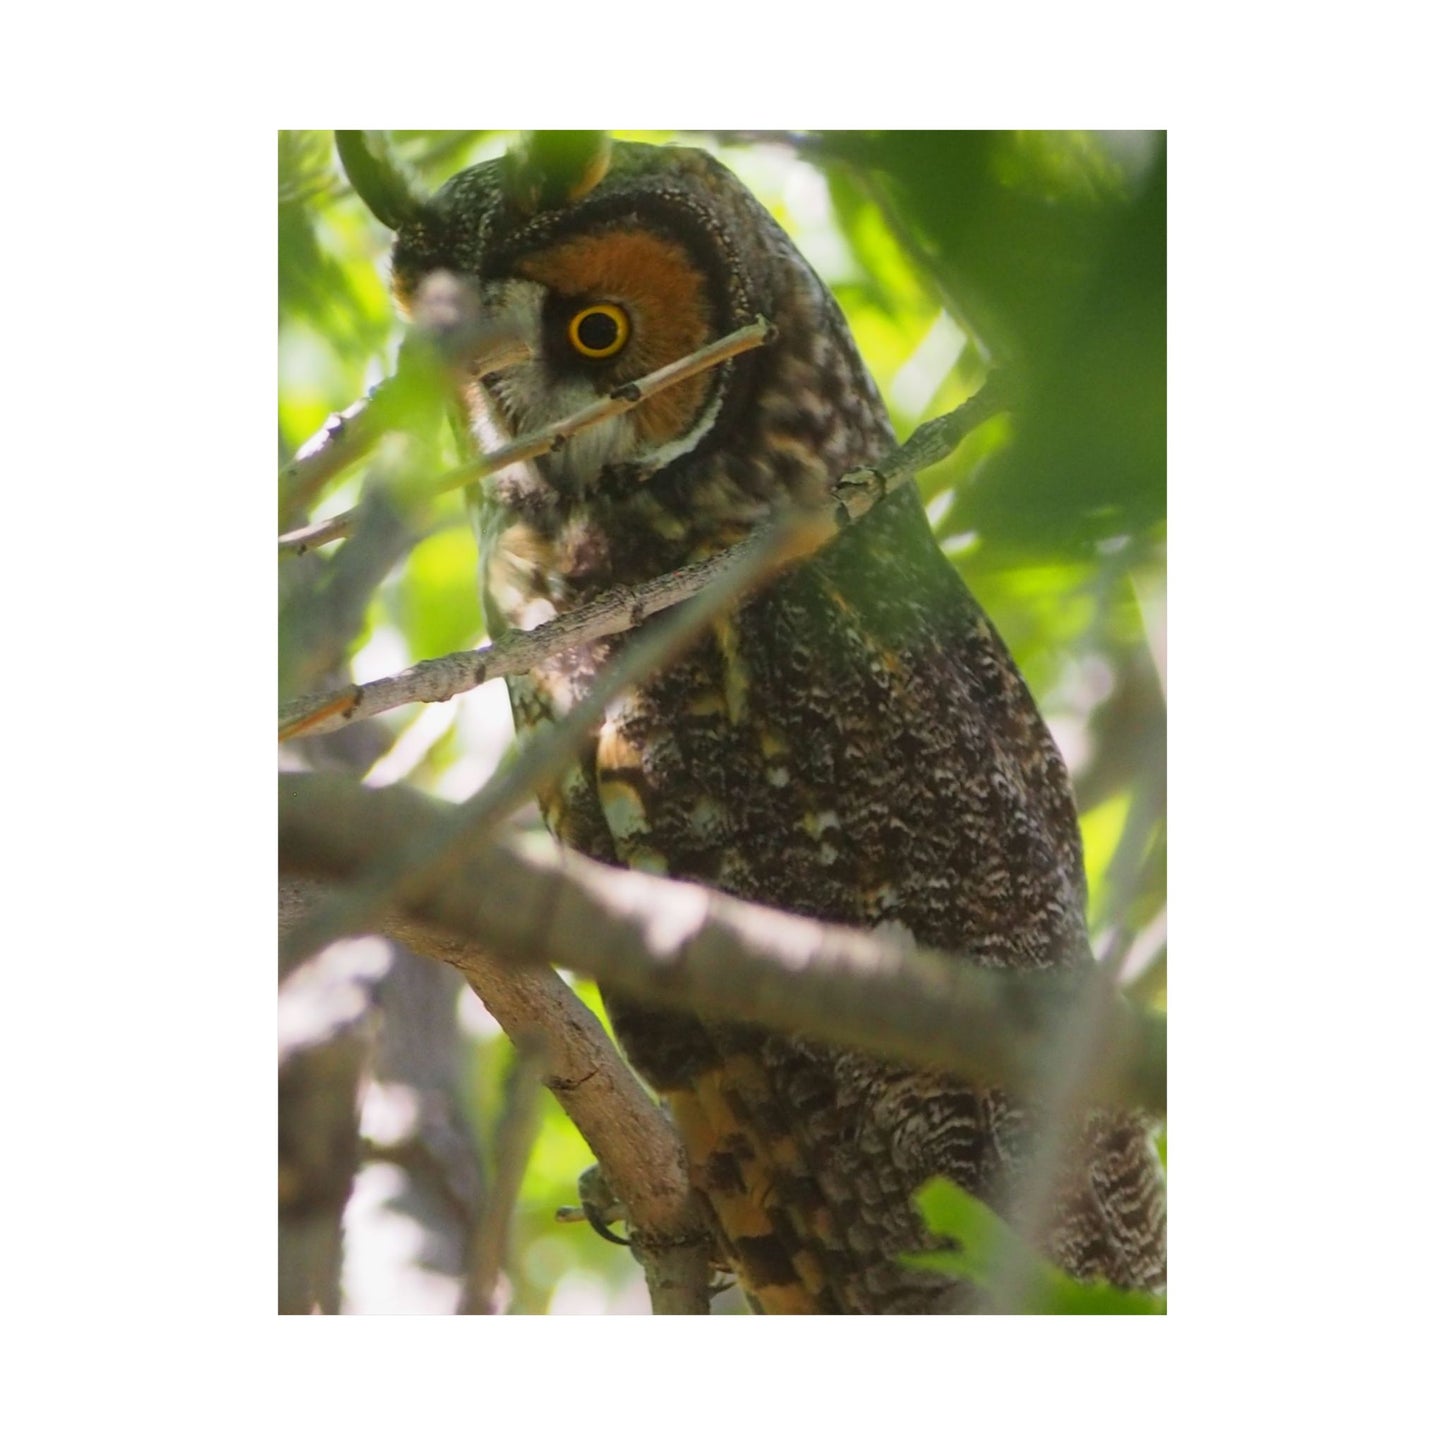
(534, 444)
(450, 335)
(859, 490)
(343, 440)
(317, 534)
(623, 608)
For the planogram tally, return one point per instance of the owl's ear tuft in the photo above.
(551, 168)
(390, 190)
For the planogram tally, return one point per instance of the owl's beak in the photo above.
(498, 343)
(508, 326)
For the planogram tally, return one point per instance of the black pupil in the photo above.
(597, 331)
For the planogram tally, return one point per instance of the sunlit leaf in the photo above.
(988, 1251)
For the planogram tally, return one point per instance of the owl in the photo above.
(853, 743)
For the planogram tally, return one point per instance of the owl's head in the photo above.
(636, 267)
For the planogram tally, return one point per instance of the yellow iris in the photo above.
(599, 331)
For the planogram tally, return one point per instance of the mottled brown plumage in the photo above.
(854, 744)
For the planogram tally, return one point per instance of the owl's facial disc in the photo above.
(593, 312)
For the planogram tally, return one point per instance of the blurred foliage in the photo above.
(988, 1251)
(1052, 245)
(949, 252)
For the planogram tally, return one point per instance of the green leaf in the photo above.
(988, 1251)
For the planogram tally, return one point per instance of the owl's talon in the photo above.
(599, 1206)
(598, 1222)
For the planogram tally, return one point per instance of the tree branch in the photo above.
(618, 610)
(345, 438)
(631, 1138)
(622, 608)
(681, 945)
(429, 855)
(534, 444)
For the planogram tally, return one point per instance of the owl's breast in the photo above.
(854, 745)
(859, 757)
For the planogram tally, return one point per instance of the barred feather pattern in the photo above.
(855, 744)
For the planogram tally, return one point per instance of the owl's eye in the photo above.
(598, 331)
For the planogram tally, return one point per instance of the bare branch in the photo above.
(683, 946)
(318, 534)
(344, 439)
(863, 488)
(428, 856)
(618, 610)
(628, 1134)
(630, 1137)
(624, 398)
(622, 608)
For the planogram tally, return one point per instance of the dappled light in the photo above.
(952, 254)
